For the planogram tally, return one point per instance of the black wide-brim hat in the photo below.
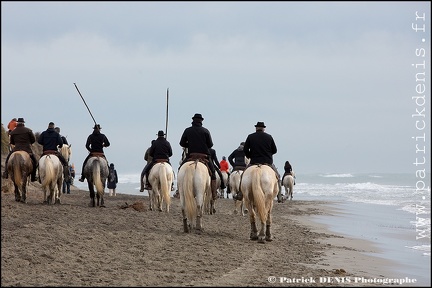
(20, 120)
(260, 124)
(160, 133)
(198, 116)
(97, 126)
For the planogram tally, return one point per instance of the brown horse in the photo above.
(260, 186)
(19, 169)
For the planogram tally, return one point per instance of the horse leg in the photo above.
(102, 201)
(199, 227)
(212, 207)
(185, 224)
(261, 235)
(254, 231)
(17, 193)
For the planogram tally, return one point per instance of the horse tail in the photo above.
(258, 194)
(97, 177)
(188, 187)
(163, 176)
(17, 173)
(49, 172)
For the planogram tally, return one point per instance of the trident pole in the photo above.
(166, 119)
(85, 103)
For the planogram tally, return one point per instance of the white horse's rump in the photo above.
(260, 186)
(51, 178)
(193, 182)
(160, 178)
(234, 183)
(96, 173)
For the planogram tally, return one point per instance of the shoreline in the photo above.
(302, 248)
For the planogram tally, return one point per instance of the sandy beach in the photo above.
(125, 244)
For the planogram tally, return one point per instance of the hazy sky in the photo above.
(333, 82)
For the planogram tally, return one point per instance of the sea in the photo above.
(390, 210)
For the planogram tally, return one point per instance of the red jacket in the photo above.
(224, 166)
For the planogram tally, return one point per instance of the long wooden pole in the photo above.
(166, 120)
(85, 103)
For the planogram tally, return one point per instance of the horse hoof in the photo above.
(253, 237)
(268, 239)
(261, 240)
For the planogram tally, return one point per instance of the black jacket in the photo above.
(160, 149)
(237, 157)
(50, 139)
(260, 147)
(96, 142)
(197, 139)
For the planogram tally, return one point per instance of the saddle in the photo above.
(49, 152)
(161, 160)
(201, 157)
(97, 154)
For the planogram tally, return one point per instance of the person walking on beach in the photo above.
(22, 138)
(260, 148)
(95, 143)
(67, 180)
(160, 151)
(112, 180)
(198, 141)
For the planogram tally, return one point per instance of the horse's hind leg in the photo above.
(261, 235)
(254, 231)
(185, 222)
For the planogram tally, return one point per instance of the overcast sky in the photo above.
(333, 82)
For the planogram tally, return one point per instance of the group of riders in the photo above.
(258, 148)
(21, 138)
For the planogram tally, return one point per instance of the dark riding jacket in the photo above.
(22, 137)
(97, 141)
(50, 139)
(197, 139)
(214, 158)
(259, 148)
(160, 149)
(237, 157)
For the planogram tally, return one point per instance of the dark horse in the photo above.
(19, 169)
(96, 173)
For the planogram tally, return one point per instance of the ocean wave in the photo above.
(344, 175)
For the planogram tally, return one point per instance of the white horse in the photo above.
(225, 181)
(66, 152)
(96, 173)
(160, 178)
(288, 184)
(193, 182)
(260, 186)
(234, 183)
(51, 177)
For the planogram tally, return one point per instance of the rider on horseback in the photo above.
(287, 171)
(22, 138)
(260, 148)
(95, 143)
(159, 151)
(50, 140)
(198, 141)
